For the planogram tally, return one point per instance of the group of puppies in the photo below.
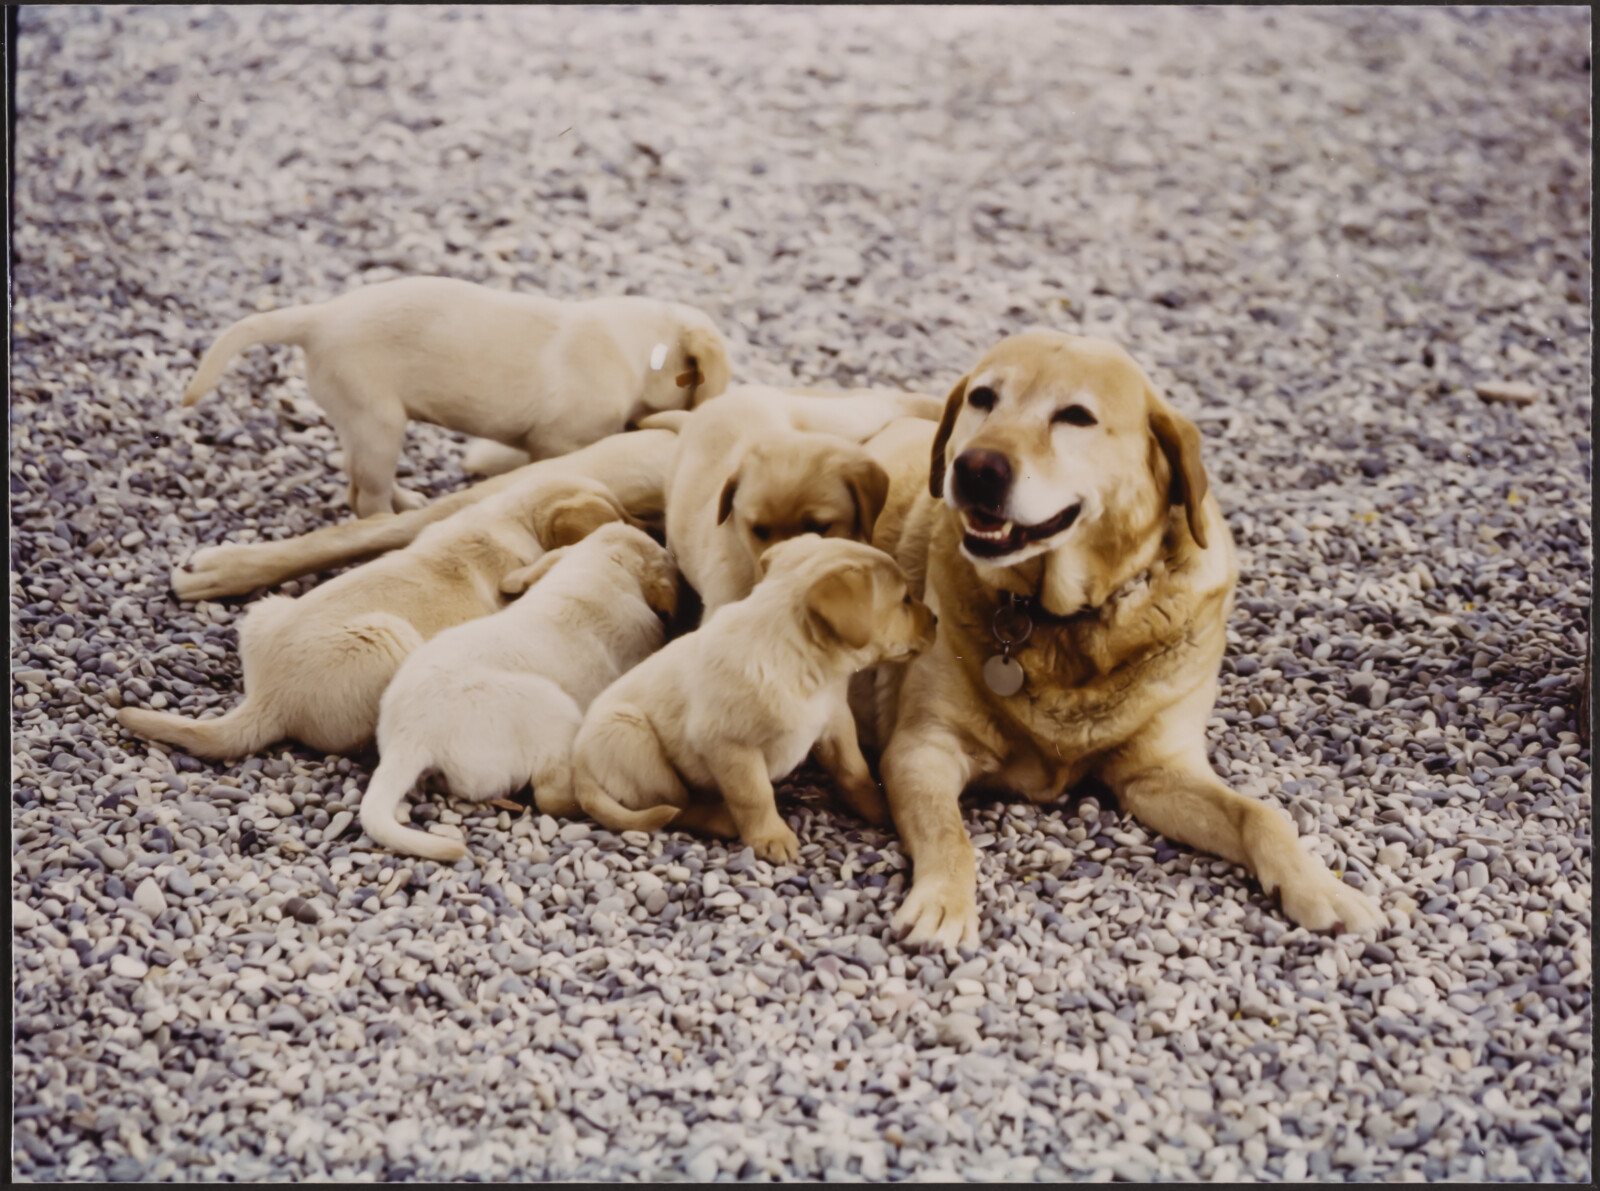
(1021, 586)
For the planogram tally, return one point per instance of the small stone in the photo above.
(149, 898)
(1391, 856)
(179, 881)
(1511, 392)
(301, 911)
(130, 966)
(281, 806)
(958, 1030)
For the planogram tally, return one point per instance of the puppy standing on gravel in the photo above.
(541, 375)
(496, 703)
(737, 705)
(316, 667)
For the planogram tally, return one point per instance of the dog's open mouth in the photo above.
(990, 537)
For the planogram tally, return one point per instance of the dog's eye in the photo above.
(983, 397)
(907, 600)
(1075, 415)
(762, 532)
(816, 527)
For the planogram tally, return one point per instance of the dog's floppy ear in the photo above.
(1179, 441)
(573, 518)
(869, 487)
(841, 601)
(725, 503)
(518, 581)
(947, 423)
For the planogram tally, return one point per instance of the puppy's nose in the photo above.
(982, 479)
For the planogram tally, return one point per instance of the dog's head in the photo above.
(648, 562)
(793, 483)
(1053, 435)
(855, 597)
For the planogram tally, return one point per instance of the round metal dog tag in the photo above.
(1003, 675)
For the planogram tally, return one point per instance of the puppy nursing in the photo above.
(316, 667)
(760, 465)
(533, 373)
(495, 704)
(697, 734)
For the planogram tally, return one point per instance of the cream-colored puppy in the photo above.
(316, 667)
(761, 465)
(541, 375)
(495, 704)
(735, 706)
(634, 466)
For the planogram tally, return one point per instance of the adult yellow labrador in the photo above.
(1082, 574)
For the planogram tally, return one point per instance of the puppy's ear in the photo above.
(1179, 441)
(841, 602)
(518, 581)
(573, 518)
(660, 590)
(869, 487)
(947, 423)
(707, 357)
(725, 503)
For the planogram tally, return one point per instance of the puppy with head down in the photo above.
(494, 704)
(698, 733)
(316, 667)
(759, 466)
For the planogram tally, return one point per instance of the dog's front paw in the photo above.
(778, 845)
(1318, 900)
(208, 574)
(940, 911)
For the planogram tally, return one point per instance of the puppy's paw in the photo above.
(1320, 901)
(776, 846)
(939, 911)
(866, 799)
(404, 500)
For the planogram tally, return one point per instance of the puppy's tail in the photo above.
(485, 457)
(706, 363)
(273, 326)
(608, 812)
(397, 772)
(245, 729)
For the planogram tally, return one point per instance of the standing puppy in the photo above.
(495, 703)
(544, 376)
(735, 706)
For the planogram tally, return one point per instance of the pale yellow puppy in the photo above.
(697, 733)
(761, 465)
(315, 668)
(531, 372)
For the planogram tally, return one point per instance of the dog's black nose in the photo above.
(982, 480)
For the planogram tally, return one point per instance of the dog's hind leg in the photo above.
(624, 754)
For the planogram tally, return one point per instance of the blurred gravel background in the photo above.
(1351, 244)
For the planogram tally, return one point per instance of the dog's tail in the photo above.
(273, 326)
(397, 772)
(706, 363)
(608, 812)
(245, 729)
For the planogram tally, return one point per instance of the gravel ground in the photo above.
(1321, 230)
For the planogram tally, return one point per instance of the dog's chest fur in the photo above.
(1091, 681)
